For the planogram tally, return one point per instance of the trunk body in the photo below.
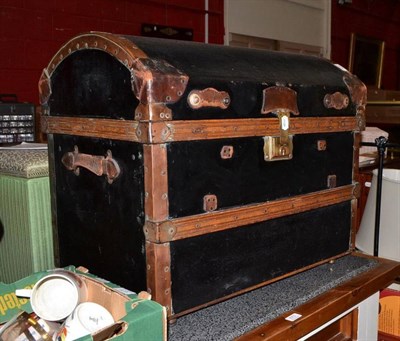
(198, 172)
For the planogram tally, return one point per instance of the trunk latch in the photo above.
(279, 147)
(280, 101)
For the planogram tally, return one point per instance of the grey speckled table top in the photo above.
(236, 316)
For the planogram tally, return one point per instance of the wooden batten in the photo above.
(155, 182)
(354, 208)
(173, 131)
(158, 263)
(170, 131)
(195, 225)
(159, 84)
(90, 127)
(356, 154)
(354, 204)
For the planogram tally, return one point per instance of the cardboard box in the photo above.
(137, 317)
(389, 315)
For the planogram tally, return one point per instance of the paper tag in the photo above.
(124, 291)
(293, 317)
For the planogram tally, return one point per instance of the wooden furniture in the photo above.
(342, 300)
(383, 107)
(383, 111)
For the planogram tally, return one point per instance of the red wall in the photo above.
(379, 19)
(31, 31)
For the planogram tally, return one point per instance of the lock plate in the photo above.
(279, 147)
(275, 150)
(280, 101)
(210, 202)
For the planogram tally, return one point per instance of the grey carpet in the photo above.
(236, 316)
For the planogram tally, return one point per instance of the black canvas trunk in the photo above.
(198, 172)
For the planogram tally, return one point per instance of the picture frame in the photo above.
(166, 32)
(366, 59)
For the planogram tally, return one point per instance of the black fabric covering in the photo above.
(244, 73)
(215, 265)
(196, 169)
(92, 83)
(100, 225)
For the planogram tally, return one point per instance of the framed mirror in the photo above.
(366, 59)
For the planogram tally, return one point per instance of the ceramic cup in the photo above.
(87, 318)
(55, 296)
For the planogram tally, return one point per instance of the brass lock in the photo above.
(279, 147)
(280, 101)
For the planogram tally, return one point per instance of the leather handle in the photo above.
(96, 164)
(209, 97)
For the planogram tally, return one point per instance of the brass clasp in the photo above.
(281, 101)
(279, 147)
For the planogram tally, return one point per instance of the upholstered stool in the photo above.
(26, 241)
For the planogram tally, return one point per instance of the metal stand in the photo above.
(381, 143)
